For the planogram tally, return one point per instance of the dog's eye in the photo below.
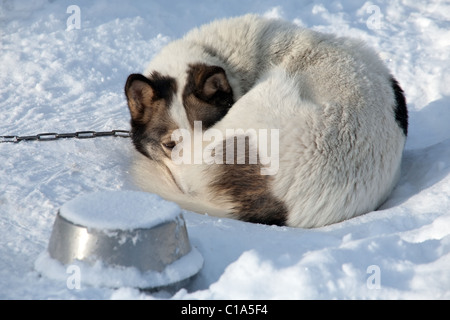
(169, 145)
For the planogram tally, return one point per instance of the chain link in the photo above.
(50, 136)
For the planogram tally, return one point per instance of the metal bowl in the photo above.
(91, 229)
(145, 249)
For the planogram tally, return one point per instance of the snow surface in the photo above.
(119, 210)
(101, 275)
(57, 79)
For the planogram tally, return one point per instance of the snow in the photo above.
(119, 210)
(55, 78)
(102, 275)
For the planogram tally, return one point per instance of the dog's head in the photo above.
(158, 106)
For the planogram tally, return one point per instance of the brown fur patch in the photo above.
(207, 96)
(247, 189)
(400, 109)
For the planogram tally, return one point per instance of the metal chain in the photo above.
(50, 136)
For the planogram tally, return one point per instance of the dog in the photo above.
(321, 122)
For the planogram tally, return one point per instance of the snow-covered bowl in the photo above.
(120, 238)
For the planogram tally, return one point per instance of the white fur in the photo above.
(340, 147)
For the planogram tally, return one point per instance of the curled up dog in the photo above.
(264, 121)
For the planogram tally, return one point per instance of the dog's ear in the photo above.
(140, 95)
(210, 81)
(207, 96)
